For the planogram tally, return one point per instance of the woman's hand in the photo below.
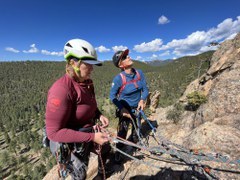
(100, 138)
(141, 105)
(104, 120)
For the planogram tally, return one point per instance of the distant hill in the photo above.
(202, 56)
(158, 62)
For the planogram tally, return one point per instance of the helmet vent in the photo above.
(69, 45)
(85, 49)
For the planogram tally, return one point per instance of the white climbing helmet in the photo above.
(81, 50)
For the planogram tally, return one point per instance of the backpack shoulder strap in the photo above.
(124, 82)
(138, 76)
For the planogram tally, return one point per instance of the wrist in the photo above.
(141, 101)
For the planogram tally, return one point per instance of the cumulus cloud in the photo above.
(198, 41)
(166, 53)
(32, 49)
(53, 53)
(163, 20)
(10, 49)
(154, 57)
(232, 36)
(139, 58)
(119, 48)
(102, 49)
(182, 46)
(208, 48)
(152, 46)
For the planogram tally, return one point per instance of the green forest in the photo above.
(24, 86)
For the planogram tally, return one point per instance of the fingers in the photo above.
(101, 138)
(104, 121)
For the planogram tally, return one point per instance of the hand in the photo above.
(125, 113)
(104, 120)
(100, 138)
(141, 105)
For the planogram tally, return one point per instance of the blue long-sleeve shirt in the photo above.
(130, 93)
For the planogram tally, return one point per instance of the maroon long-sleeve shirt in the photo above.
(70, 106)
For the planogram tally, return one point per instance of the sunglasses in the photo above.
(124, 57)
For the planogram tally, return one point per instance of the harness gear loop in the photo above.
(62, 159)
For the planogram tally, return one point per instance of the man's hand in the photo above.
(104, 120)
(125, 113)
(141, 105)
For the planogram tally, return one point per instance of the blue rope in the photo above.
(146, 119)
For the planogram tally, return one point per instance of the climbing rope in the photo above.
(178, 153)
(98, 149)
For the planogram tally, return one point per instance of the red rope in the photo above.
(98, 149)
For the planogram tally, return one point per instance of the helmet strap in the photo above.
(76, 70)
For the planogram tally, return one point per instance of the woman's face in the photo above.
(85, 70)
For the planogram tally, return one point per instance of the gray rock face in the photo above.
(223, 95)
(221, 85)
(215, 126)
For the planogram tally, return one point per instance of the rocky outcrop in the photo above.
(153, 101)
(215, 125)
(221, 84)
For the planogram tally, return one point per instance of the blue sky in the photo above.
(152, 29)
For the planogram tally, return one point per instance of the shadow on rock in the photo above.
(169, 174)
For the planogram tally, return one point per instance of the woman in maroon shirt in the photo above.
(72, 110)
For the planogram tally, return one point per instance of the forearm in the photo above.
(68, 135)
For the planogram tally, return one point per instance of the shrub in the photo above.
(175, 113)
(195, 99)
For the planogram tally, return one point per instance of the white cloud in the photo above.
(198, 41)
(10, 49)
(52, 53)
(154, 57)
(32, 49)
(163, 20)
(232, 36)
(208, 48)
(166, 53)
(102, 49)
(139, 58)
(119, 48)
(152, 46)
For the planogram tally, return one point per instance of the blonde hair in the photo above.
(71, 71)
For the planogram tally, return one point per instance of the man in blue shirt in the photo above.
(129, 92)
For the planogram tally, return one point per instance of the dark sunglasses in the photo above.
(124, 57)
